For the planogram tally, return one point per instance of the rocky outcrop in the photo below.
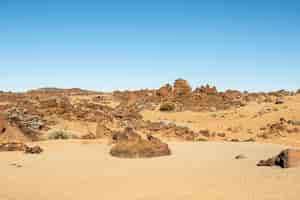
(123, 112)
(23, 124)
(33, 150)
(279, 129)
(286, 159)
(129, 144)
(11, 133)
(182, 88)
(171, 130)
(12, 146)
(207, 90)
(22, 118)
(102, 131)
(165, 91)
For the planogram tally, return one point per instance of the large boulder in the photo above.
(286, 159)
(131, 145)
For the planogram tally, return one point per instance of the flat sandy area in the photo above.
(70, 170)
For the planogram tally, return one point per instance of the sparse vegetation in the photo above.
(59, 134)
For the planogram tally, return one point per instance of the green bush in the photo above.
(167, 107)
(59, 134)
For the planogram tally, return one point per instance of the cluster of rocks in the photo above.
(173, 131)
(38, 109)
(180, 94)
(20, 116)
(279, 128)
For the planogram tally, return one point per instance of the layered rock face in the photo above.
(182, 87)
(131, 145)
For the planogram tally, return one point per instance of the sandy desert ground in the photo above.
(207, 170)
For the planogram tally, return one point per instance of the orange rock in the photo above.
(182, 87)
(165, 91)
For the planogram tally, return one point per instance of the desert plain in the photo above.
(174, 142)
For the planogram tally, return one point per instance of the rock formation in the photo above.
(182, 88)
(131, 145)
(33, 150)
(286, 159)
(165, 91)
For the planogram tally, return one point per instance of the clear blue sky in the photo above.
(130, 44)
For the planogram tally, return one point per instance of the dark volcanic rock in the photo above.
(131, 145)
(285, 159)
(33, 150)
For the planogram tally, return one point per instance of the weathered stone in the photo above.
(182, 87)
(102, 131)
(288, 158)
(240, 156)
(13, 146)
(33, 150)
(165, 91)
(131, 145)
